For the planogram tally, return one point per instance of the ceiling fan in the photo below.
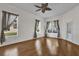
(44, 7)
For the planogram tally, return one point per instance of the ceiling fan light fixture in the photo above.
(44, 7)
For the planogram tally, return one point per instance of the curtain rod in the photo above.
(10, 13)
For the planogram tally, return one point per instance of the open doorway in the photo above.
(69, 30)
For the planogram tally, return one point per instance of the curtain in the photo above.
(36, 29)
(7, 21)
(2, 39)
(47, 25)
(57, 28)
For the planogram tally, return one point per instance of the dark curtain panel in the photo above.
(58, 28)
(2, 39)
(36, 28)
(46, 29)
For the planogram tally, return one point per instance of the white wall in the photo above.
(71, 16)
(26, 24)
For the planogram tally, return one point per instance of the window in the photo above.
(9, 23)
(69, 30)
(52, 27)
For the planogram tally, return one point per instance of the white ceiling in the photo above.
(57, 8)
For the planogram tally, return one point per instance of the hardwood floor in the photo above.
(41, 47)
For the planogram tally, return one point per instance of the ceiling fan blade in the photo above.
(38, 10)
(48, 9)
(37, 6)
